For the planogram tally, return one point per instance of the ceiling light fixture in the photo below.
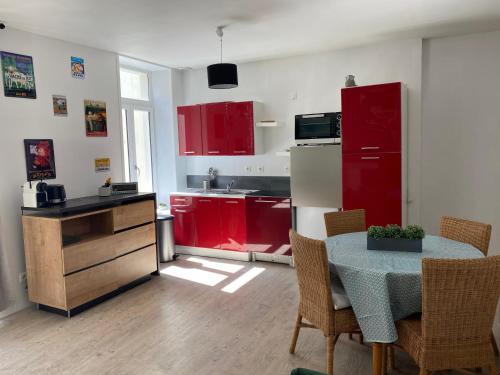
(222, 75)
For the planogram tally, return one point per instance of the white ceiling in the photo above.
(181, 33)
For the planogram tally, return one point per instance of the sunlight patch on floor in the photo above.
(195, 275)
(236, 284)
(219, 266)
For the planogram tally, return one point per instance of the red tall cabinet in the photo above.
(373, 152)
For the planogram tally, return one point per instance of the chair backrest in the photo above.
(311, 264)
(345, 222)
(459, 300)
(471, 232)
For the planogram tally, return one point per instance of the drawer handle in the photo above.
(189, 152)
(214, 152)
(205, 200)
(240, 152)
(371, 148)
(181, 211)
(263, 201)
(232, 202)
(180, 199)
(370, 157)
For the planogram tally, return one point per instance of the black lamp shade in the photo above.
(222, 76)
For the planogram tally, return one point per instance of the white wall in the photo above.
(74, 152)
(308, 84)
(461, 131)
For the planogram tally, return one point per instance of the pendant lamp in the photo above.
(222, 75)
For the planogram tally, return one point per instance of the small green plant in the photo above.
(411, 232)
(376, 232)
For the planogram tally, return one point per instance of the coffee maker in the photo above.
(35, 194)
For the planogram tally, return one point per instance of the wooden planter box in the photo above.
(394, 244)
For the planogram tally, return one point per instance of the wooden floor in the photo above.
(171, 325)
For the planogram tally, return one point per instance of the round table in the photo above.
(385, 286)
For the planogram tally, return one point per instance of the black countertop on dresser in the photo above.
(78, 205)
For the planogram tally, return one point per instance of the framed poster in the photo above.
(95, 118)
(102, 165)
(60, 105)
(77, 67)
(40, 161)
(18, 75)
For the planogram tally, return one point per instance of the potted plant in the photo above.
(394, 238)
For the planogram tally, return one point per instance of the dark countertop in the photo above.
(270, 193)
(78, 205)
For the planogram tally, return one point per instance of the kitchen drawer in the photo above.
(133, 214)
(84, 286)
(89, 253)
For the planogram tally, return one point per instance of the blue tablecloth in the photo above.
(385, 286)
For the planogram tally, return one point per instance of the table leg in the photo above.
(377, 350)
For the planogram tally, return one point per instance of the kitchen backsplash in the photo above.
(272, 183)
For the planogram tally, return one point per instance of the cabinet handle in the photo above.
(232, 202)
(370, 157)
(214, 152)
(181, 211)
(371, 148)
(239, 152)
(205, 200)
(188, 152)
(263, 201)
(180, 199)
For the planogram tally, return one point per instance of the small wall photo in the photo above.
(95, 118)
(60, 105)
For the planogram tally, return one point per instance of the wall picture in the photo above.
(40, 162)
(60, 105)
(18, 75)
(95, 118)
(77, 67)
(102, 165)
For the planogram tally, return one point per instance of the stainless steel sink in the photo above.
(224, 191)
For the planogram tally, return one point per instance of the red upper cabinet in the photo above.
(183, 209)
(207, 224)
(269, 220)
(233, 224)
(240, 128)
(373, 182)
(371, 118)
(190, 134)
(214, 135)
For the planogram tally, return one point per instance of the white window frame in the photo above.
(129, 105)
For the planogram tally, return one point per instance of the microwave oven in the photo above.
(317, 128)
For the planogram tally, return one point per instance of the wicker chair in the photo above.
(459, 299)
(471, 232)
(316, 301)
(345, 222)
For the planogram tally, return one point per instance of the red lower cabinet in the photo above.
(206, 217)
(232, 224)
(268, 223)
(183, 210)
(373, 182)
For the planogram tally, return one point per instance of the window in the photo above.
(137, 126)
(134, 84)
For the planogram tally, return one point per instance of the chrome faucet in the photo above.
(229, 186)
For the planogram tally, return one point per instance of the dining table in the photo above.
(385, 286)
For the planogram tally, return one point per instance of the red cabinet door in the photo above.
(268, 223)
(240, 128)
(206, 217)
(189, 125)
(215, 139)
(183, 208)
(371, 118)
(373, 182)
(233, 224)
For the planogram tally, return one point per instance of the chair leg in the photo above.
(295, 333)
(330, 348)
(350, 336)
(390, 358)
(384, 359)
(425, 372)
(494, 343)
(360, 339)
(493, 370)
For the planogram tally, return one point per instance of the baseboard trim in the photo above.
(213, 253)
(275, 258)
